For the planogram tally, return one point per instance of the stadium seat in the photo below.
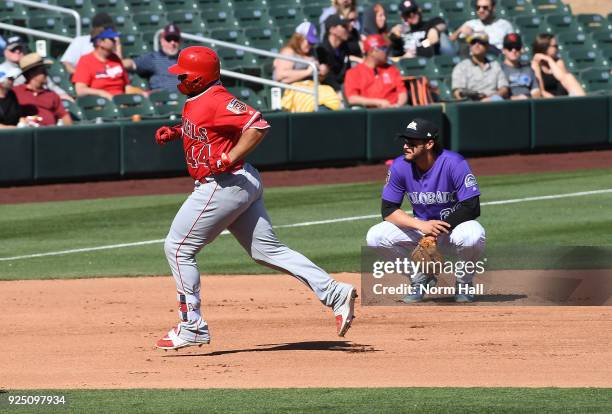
(83, 7)
(264, 38)
(413, 66)
(167, 103)
(581, 59)
(551, 7)
(73, 109)
(593, 22)
(233, 35)
(130, 104)
(239, 60)
(171, 5)
(63, 81)
(445, 64)
(514, 8)
(602, 38)
(70, 24)
(215, 6)
(293, 3)
(150, 21)
(138, 81)
(133, 45)
(124, 23)
(239, 4)
(573, 39)
(286, 31)
(287, 15)
(94, 107)
(563, 23)
(248, 96)
(253, 17)
(429, 9)
(188, 21)
(441, 87)
(53, 23)
(151, 6)
(220, 20)
(606, 52)
(110, 6)
(12, 10)
(312, 12)
(610, 17)
(596, 79)
(530, 26)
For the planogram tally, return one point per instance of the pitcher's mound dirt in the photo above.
(270, 331)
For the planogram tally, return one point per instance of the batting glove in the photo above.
(167, 134)
(221, 164)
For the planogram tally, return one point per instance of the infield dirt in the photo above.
(271, 331)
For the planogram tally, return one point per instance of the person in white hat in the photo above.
(10, 110)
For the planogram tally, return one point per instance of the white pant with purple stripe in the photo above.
(233, 201)
(467, 240)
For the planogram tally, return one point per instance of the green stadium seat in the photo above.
(124, 23)
(233, 35)
(138, 81)
(248, 96)
(253, 17)
(271, 45)
(593, 22)
(140, 6)
(38, 11)
(238, 60)
(133, 104)
(110, 6)
(50, 23)
(514, 8)
(445, 64)
(610, 17)
(167, 103)
(442, 89)
(596, 79)
(70, 24)
(602, 38)
(83, 7)
(286, 31)
(94, 107)
(606, 52)
(571, 40)
(530, 26)
(266, 38)
(283, 3)
(12, 10)
(239, 4)
(189, 21)
(551, 7)
(429, 9)
(73, 109)
(171, 5)
(414, 66)
(580, 59)
(312, 12)
(150, 21)
(563, 23)
(133, 45)
(285, 15)
(220, 20)
(63, 81)
(215, 6)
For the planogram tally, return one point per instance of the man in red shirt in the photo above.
(33, 96)
(101, 71)
(375, 83)
(218, 131)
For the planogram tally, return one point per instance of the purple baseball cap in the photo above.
(309, 31)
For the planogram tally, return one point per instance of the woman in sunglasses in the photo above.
(551, 70)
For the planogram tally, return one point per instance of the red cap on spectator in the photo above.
(374, 41)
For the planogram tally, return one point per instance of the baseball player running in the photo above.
(444, 196)
(218, 131)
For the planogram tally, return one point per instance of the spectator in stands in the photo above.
(522, 80)
(353, 43)
(154, 65)
(551, 71)
(15, 49)
(486, 22)
(300, 45)
(374, 21)
(82, 45)
(333, 53)
(33, 96)
(2, 44)
(478, 78)
(10, 110)
(375, 83)
(340, 7)
(416, 37)
(101, 72)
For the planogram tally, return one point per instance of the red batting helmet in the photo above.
(197, 67)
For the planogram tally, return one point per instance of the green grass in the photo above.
(46, 227)
(351, 400)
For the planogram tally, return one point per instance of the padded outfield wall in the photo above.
(127, 149)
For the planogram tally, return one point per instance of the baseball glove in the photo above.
(427, 253)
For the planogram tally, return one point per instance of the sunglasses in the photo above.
(478, 42)
(173, 39)
(512, 49)
(479, 7)
(17, 49)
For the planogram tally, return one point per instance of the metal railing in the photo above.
(256, 79)
(76, 15)
(34, 32)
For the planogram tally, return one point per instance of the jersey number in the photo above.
(198, 156)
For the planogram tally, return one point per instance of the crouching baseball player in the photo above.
(218, 131)
(444, 196)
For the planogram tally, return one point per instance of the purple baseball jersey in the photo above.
(436, 193)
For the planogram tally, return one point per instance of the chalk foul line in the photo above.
(303, 224)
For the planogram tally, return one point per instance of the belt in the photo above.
(211, 178)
